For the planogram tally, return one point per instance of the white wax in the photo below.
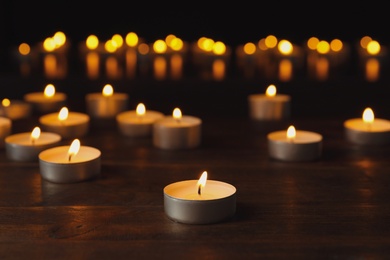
(188, 190)
(59, 155)
(24, 139)
(301, 137)
(132, 118)
(357, 124)
(74, 118)
(184, 122)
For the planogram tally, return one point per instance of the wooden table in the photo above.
(336, 207)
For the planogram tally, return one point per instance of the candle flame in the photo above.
(291, 133)
(177, 114)
(73, 149)
(202, 182)
(6, 102)
(108, 90)
(271, 91)
(49, 90)
(63, 114)
(36, 132)
(141, 110)
(368, 115)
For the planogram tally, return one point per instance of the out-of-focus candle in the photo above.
(47, 101)
(14, 109)
(269, 106)
(293, 145)
(177, 131)
(5, 129)
(199, 201)
(367, 130)
(107, 104)
(69, 164)
(27, 146)
(139, 122)
(67, 124)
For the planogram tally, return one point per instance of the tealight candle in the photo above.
(139, 122)
(293, 145)
(177, 131)
(367, 130)
(47, 101)
(269, 106)
(106, 104)
(27, 146)
(199, 201)
(67, 124)
(5, 129)
(69, 164)
(15, 109)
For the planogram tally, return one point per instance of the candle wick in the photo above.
(70, 157)
(199, 189)
(33, 141)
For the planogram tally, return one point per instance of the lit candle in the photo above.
(139, 122)
(106, 104)
(67, 124)
(368, 129)
(27, 146)
(69, 164)
(199, 201)
(47, 101)
(294, 145)
(5, 129)
(269, 106)
(177, 131)
(14, 109)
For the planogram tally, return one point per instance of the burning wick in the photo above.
(35, 134)
(202, 182)
(291, 133)
(368, 118)
(141, 110)
(73, 149)
(177, 114)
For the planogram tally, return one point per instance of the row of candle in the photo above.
(270, 56)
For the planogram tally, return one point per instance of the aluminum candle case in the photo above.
(47, 101)
(185, 203)
(59, 165)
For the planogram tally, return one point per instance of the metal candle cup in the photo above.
(99, 106)
(19, 147)
(16, 110)
(44, 104)
(359, 132)
(56, 167)
(305, 146)
(74, 126)
(5, 129)
(134, 125)
(183, 204)
(173, 134)
(263, 107)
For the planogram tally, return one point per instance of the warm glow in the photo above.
(261, 44)
(312, 43)
(368, 115)
(49, 44)
(285, 47)
(117, 40)
(271, 41)
(177, 113)
(131, 39)
(143, 48)
(323, 47)
(160, 46)
(92, 42)
(49, 90)
(110, 46)
(219, 48)
(373, 47)
(336, 45)
(205, 44)
(291, 132)
(24, 49)
(271, 91)
(74, 148)
(59, 39)
(108, 90)
(63, 114)
(364, 41)
(202, 182)
(36, 132)
(176, 44)
(6, 102)
(141, 110)
(249, 48)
